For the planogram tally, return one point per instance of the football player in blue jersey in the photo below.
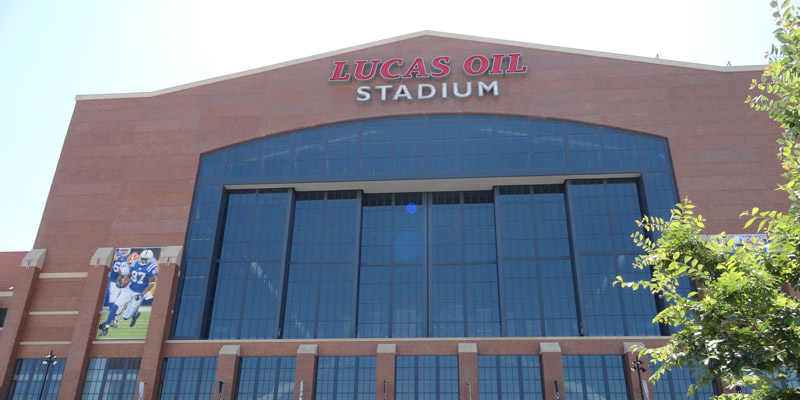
(120, 259)
(143, 280)
(139, 283)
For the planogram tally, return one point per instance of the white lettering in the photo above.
(402, 91)
(421, 95)
(383, 89)
(362, 94)
(427, 91)
(482, 88)
(462, 95)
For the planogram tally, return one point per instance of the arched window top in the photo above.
(440, 146)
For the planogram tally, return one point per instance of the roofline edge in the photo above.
(134, 95)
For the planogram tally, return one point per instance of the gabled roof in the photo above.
(418, 35)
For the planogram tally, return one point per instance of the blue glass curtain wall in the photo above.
(361, 265)
(392, 296)
(603, 215)
(463, 290)
(249, 281)
(537, 278)
(320, 297)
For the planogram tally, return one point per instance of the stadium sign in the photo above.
(396, 69)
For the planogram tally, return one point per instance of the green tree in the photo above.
(738, 324)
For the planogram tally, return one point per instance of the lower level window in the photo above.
(111, 379)
(188, 378)
(510, 377)
(34, 379)
(427, 377)
(594, 377)
(266, 378)
(345, 378)
(674, 384)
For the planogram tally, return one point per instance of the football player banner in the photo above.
(129, 294)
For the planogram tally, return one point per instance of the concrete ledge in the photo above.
(467, 348)
(230, 350)
(63, 275)
(549, 347)
(42, 343)
(34, 258)
(52, 313)
(172, 255)
(307, 349)
(103, 256)
(387, 348)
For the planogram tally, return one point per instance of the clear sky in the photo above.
(52, 50)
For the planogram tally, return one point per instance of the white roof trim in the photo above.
(412, 36)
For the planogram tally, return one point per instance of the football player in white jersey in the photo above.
(140, 282)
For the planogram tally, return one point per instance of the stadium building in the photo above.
(432, 216)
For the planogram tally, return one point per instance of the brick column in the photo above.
(94, 290)
(467, 371)
(15, 321)
(552, 370)
(160, 320)
(227, 370)
(385, 373)
(638, 370)
(305, 372)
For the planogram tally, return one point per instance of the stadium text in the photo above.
(396, 69)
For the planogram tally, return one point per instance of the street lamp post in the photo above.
(48, 360)
(639, 366)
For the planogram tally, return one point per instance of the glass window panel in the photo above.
(537, 272)
(33, 379)
(426, 377)
(464, 293)
(111, 379)
(604, 214)
(391, 274)
(249, 271)
(594, 377)
(266, 378)
(674, 384)
(510, 377)
(345, 378)
(188, 378)
(319, 297)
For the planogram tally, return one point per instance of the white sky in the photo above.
(52, 50)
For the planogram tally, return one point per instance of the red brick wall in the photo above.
(128, 166)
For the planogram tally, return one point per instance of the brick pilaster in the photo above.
(94, 290)
(160, 321)
(385, 374)
(15, 321)
(552, 370)
(638, 371)
(305, 372)
(468, 371)
(228, 370)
